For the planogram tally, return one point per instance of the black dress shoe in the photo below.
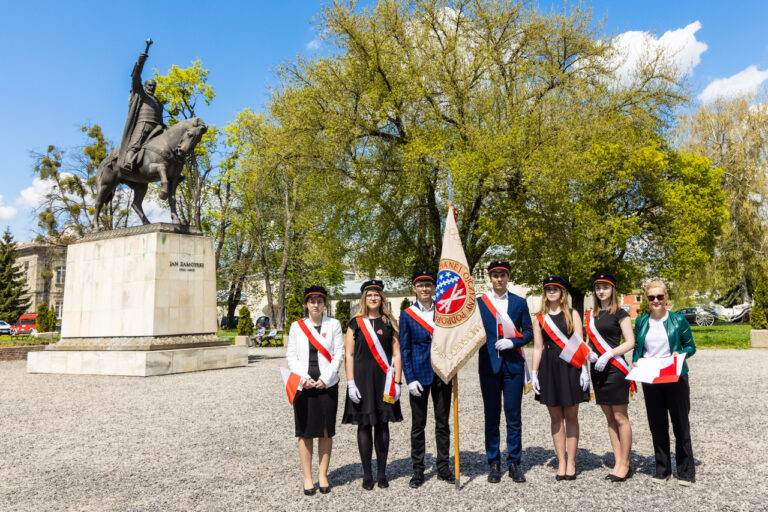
(368, 484)
(310, 492)
(494, 475)
(614, 478)
(569, 477)
(383, 483)
(559, 478)
(516, 474)
(416, 481)
(446, 477)
(325, 490)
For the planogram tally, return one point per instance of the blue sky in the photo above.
(68, 63)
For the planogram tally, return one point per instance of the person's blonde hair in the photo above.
(564, 307)
(613, 307)
(383, 309)
(656, 283)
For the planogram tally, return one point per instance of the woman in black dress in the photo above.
(315, 351)
(373, 392)
(606, 324)
(558, 384)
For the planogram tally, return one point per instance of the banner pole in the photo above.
(456, 429)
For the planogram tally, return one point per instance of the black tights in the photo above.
(365, 444)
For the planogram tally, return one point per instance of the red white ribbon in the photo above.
(314, 338)
(573, 350)
(602, 347)
(506, 329)
(378, 354)
(422, 318)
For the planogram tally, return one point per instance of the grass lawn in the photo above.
(722, 336)
(23, 341)
(231, 333)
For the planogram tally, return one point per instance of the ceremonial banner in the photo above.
(657, 370)
(293, 383)
(458, 327)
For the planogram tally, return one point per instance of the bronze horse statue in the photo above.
(163, 160)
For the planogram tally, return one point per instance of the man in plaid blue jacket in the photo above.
(416, 326)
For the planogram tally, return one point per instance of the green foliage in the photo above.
(645, 308)
(343, 314)
(405, 304)
(758, 317)
(294, 309)
(12, 282)
(245, 323)
(45, 322)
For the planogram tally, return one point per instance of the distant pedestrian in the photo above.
(315, 351)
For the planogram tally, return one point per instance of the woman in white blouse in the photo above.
(662, 333)
(315, 351)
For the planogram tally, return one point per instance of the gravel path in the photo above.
(223, 440)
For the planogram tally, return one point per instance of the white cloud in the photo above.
(7, 212)
(34, 196)
(314, 44)
(744, 82)
(680, 45)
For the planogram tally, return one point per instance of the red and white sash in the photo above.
(505, 328)
(602, 347)
(573, 350)
(314, 338)
(380, 356)
(423, 318)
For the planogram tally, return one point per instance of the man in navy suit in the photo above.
(502, 369)
(416, 326)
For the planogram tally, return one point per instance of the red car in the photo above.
(26, 324)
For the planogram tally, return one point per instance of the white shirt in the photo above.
(656, 339)
(500, 301)
(430, 309)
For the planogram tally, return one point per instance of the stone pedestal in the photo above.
(139, 301)
(759, 338)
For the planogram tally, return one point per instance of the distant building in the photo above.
(45, 269)
(631, 303)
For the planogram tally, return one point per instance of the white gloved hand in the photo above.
(504, 344)
(593, 357)
(584, 378)
(535, 382)
(603, 361)
(397, 392)
(352, 392)
(415, 388)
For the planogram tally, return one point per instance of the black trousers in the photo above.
(662, 402)
(441, 400)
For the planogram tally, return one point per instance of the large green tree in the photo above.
(12, 281)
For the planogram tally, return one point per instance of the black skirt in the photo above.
(314, 412)
(610, 385)
(559, 381)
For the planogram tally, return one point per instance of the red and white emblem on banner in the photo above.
(454, 294)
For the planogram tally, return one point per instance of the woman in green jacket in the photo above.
(662, 333)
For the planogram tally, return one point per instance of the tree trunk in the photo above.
(577, 302)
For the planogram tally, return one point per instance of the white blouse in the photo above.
(656, 339)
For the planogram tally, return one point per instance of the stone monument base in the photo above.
(136, 363)
(759, 338)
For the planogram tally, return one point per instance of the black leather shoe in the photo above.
(494, 476)
(310, 492)
(559, 478)
(325, 490)
(516, 474)
(383, 483)
(368, 484)
(446, 477)
(614, 478)
(416, 481)
(569, 477)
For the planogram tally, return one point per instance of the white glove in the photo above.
(593, 357)
(535, 382)
(584, 378)
(415, 388)
(504, 344)
(352, 392)
(397, 392)
(603, 361)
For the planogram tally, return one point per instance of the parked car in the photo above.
(699, 315)
(264, 321)
(223, 324)
(27, 324)
(5, 328)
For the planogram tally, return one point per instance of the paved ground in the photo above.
(223, 440)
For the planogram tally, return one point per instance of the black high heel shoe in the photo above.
(310, 492)
(325, 490)
(614, 478)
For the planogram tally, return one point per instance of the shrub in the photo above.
(405, 304)
(245, 324)
(342, 314)
(294, 309)
(45, 321)
(758, 317)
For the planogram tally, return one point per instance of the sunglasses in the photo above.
(653, 298)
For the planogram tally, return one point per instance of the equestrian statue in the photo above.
(149, 151)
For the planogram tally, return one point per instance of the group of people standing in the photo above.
(378, 349)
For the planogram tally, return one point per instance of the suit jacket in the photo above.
(679, 334)
(489, 361)
(297, 352)
(415, 349)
